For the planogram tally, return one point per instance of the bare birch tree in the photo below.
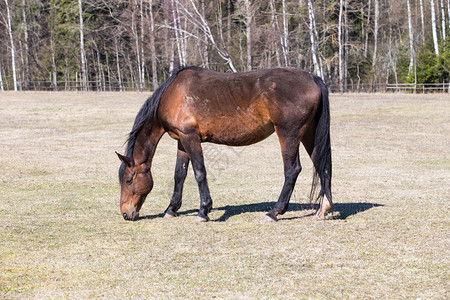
(82, 49)
(443, 20)
(448, 13)
(142, 74)
(313, 38)
(26, 67)
(433, 28)
(153, 47)
(134, 30)
(246, 11)
(345, 44)
(1, 81)
(285, 36)
(275, 31)
(375, 32)
(422, 22)
(411, 38)
(119, 73)
(366, 44)
(229, 14)
(205, 53)
(54, 72)
(179, 33)
(248, 25)
(13, 48)
(197, 20)
(341, 72)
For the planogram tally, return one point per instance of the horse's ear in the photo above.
(129, 161)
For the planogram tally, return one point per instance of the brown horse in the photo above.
(196, 105)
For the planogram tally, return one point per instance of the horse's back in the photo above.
(238, 108)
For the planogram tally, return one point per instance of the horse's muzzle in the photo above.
(134, 215)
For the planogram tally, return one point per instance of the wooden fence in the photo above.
(394, 88)
(78, 86)
(419, 88)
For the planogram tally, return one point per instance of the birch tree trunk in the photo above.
(100, 74)
(230, 12)
(1, 81)
(375, 33)
(341, 72)
(275, 31)
(448, 13)
(422, 22)
(203, 25)
(433, 28)
(178, 34)
(82, 49)
(411, 38)
(54, 79)
(108, 70)
(248, 24)
(119, 76)
(13, 49)
(443, 21)
(142, 75)
(26, 43)
(285, 37)
(171, 54)
(153, 48)
(366, 44)
(134, 29)
(313, 39)
(205, 39)
(345, 44)
(391, 61)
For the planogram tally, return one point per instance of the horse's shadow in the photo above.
(341, 210)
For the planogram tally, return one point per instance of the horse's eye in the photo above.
(129, 181)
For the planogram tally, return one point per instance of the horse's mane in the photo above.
(147, 113)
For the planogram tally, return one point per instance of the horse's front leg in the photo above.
(192, 145)
(181, 169)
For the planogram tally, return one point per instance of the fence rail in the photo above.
(78, 86)
(420, 87)
(394, 88)
(145, 86)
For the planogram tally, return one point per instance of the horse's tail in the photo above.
(321, 155)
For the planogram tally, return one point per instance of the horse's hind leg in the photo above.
(179, 177)
(325, 205)
(292, 168)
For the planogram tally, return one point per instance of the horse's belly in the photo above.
(236, 132)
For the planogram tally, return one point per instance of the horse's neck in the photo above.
(146, 143)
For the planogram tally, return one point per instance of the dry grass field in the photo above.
(62, 235)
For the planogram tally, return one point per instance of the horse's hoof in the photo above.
(269, 219)
(320, 217)
(324, 208)
(200, 219)
(168, 216)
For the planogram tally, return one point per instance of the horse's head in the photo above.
(136, 182)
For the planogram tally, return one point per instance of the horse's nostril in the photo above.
(125, 216)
